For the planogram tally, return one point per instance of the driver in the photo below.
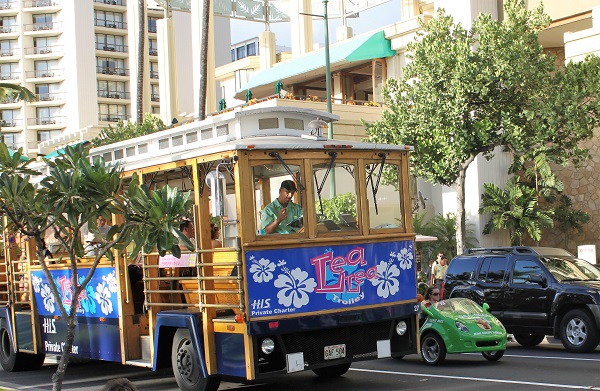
(277, 216)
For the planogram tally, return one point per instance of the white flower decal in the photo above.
(48, 298)
(103, 298)
(405, 258)
(36, 281)
(295, 286)
(111, 280)
(262, 270)
(386, 282)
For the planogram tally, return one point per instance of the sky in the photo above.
(371, 19)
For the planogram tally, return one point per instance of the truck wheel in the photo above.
(10, 360)
(186, 365)
(578, 332)
(529, 340)
(332, 371)
(493, 355)
(433, 349)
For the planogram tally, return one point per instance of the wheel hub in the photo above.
(576, 332)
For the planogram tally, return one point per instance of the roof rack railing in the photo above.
(505, 250)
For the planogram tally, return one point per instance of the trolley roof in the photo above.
(260, 126)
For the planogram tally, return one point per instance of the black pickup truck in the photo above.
(534, 291)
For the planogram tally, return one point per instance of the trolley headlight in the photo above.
(401, 327)
(267, 346)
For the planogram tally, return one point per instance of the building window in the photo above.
(152, 24)
(112, 113)
(153, 47)
(251, 49)
(7, 47)
(12, 140)
(9, 71)
(11, 118)
(45, 135)
(45, 68)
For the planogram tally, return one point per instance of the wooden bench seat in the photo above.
(232, 299)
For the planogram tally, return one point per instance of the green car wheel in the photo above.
(493, 355)
(433, 349)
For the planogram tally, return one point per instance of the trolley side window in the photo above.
(384, 196)
(335, 196)
(278, 196)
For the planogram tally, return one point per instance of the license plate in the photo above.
(335, 351)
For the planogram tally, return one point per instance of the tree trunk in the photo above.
(59, 375)
(461, 224)
(205, 19)
(140, 64)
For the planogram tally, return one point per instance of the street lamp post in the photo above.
(328, 92)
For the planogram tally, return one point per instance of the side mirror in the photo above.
(537, 278)
(486, 307)
(216, 182)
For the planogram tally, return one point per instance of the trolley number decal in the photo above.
(335, 351)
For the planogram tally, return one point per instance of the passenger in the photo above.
(215, 233)
(279, 214)
(432, 296)
(94, 241)
(188, 229)
(120, 384)
(439, 271)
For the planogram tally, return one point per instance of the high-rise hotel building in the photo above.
(79, 57)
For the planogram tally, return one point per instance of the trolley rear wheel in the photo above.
(186, 365)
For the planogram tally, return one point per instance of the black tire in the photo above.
(578, 332)
(9, 359)
(433, 349)
(494, 355)
(529, 340)
(186, 365)
(332, 371)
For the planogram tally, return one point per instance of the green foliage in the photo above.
(465, 92)
(74, 192)
(128, 130)
(515, 209)
(569, 219)
(16, 91)
(342, 203)
(444, 228)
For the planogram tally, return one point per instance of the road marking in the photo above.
(478, 379)
(543, 357)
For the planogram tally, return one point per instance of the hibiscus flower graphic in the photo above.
(295, 286)
(36, 281)
(386, 282)
(103, 298)
(405, 258)
(48, 298)
(111, 281)
(262, 270)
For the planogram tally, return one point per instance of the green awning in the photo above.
(361, 48)
(23, 158)
(55, 153)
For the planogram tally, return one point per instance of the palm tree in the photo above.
(205, 19)
(140, 64)
(19, 92)
(515, 209)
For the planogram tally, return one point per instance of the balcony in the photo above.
(111, 47)
(50, 96)
(155, 97)
(111, 24)
(153, 74)
(112, 71)
(8, 52)
(9, 99)
(8, 5)
(45, 26)
(56, 49)
(9, 29)
(41, 3)
(153, 52)
(11, 123)
(112, 2)
(45, 121)
(113, 94)
(112, 117)
(45, 73)
(10, 76)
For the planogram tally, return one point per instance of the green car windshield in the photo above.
(458, 306)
